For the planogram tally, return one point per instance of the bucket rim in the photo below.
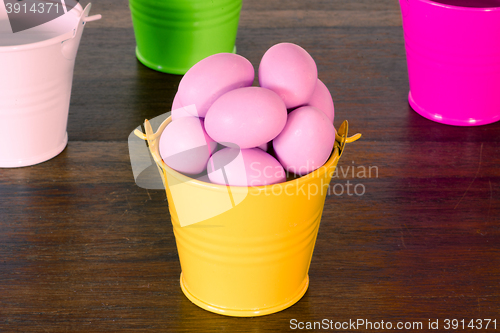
(459, 8)
(51, 41)
(328, 166)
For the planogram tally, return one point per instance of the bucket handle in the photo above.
(341, 138)
(93, 18)
(153, 139)
(70, 46)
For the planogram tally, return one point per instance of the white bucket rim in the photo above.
(77, 11)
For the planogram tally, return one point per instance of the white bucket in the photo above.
(36, 74)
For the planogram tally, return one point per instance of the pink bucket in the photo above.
(36, 73)
(453, 56)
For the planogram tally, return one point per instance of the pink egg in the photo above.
(183, 112)
(290, 71)
(306, 142)
(264, 146)
(247, 117)
(185, 146)
(212, 77)
(176, 103)
(322, 99)
(203, 178)
(245, 167)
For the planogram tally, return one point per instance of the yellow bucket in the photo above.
(245, 251)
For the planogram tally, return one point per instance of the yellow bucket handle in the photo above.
(153, 140)
(341, 138)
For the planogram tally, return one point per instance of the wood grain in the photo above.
(84, 249)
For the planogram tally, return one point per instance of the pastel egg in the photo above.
(322, 99)
(176, 105)
(203, 178)
(247, 117)
(264, 146)
(212, 77)
(176, 102)
(245, 167)
(290, 71)
(306, 142)
(185, 146)
(179, 111)
(183, 112)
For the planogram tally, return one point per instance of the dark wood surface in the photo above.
(84, 249)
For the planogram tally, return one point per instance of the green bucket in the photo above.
(173, 35)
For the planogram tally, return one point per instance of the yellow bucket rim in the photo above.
(153, 138)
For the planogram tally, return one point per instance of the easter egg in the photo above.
(212, 77)
(185, 146)
(264, 146)
(245, 167)
(322, 99)
(247, 117)
(183, 112)
(306, 142)
(290, 71)
(176, 102)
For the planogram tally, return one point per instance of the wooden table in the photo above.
(84, 249)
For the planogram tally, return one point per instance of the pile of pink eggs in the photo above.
(243, 135)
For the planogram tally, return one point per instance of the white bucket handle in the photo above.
(70, 46)
(93, 18)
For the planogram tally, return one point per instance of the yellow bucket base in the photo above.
(244, 313)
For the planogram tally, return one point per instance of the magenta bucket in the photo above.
(453, 57)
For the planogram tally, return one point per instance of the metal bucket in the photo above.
(174, 35)
(245, 251)
(36, 68)
(453, 56)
